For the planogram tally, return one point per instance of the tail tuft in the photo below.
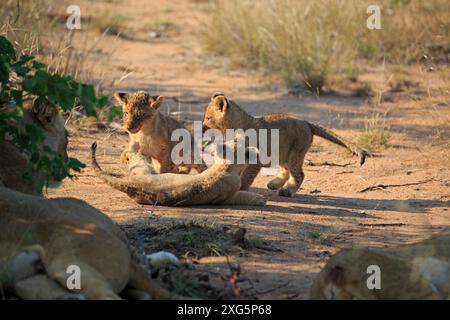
(332, 137)
(362, 157)
(93, 159)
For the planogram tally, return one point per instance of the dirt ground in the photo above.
(289, 239)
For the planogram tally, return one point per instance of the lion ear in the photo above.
(216, 94)
(44, 111)
(121, 97)
(221, 102)
(156, 102)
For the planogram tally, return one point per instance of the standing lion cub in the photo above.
(151, 129)
(296, 137)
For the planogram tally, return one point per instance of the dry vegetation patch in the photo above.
(376, 133)
(307, 41)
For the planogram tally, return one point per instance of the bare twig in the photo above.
(18, 12)
(330, 164)
(381, 224)
(385, 186)
(345, 172)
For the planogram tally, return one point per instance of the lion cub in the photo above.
(151, 129)
(296, 137)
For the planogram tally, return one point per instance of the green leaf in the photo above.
(75, 164)
(18, 97)
(103, 101)
(89, 100)
(24, 59)
(35, 85)
(64, 91)
(38, 65)
(7, 49)
(21, 70)
(4, 70)
(34, 133)
(113, 113)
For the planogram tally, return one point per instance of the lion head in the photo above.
(137, 107)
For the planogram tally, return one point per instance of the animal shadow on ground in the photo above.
(350, 206)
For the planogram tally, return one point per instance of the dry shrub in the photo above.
(376, 133)
(23, 22)
(306, 41)
(37, 27)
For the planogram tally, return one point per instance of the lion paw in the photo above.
(284, 193)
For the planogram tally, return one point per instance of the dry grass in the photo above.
(321, 237)
(306, 41)
(376, 133)
(441, 135)
(411, 28)
(38, 28)
(364, 90)
(110, 23)
(24, 22)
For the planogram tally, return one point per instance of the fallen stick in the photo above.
(381, 224)
(385, 186)
(326, 163)
(345, 172)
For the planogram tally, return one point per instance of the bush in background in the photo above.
(307, 41)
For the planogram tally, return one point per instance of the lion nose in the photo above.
(204, 128)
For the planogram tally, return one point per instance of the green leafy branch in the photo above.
(22, 77)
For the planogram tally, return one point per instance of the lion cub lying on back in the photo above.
(296, 137)
(218, 184)
(151, 129)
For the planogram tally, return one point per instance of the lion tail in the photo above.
(332, 137)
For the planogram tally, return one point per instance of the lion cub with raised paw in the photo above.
(152, 130)
(295, 138)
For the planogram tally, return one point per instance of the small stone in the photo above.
(153, 35)
(162, 258)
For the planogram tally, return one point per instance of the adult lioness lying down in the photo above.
(41, 238)
(14, 163)
(295, 135)
(413, 271)
(57, 234)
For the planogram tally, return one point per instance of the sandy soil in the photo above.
(330, 212)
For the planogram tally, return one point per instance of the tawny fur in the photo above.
(219, 184)
(414, 271)
(14, 163)
(295, 139)
(40, 238)
(64, 232)
(152, 130)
